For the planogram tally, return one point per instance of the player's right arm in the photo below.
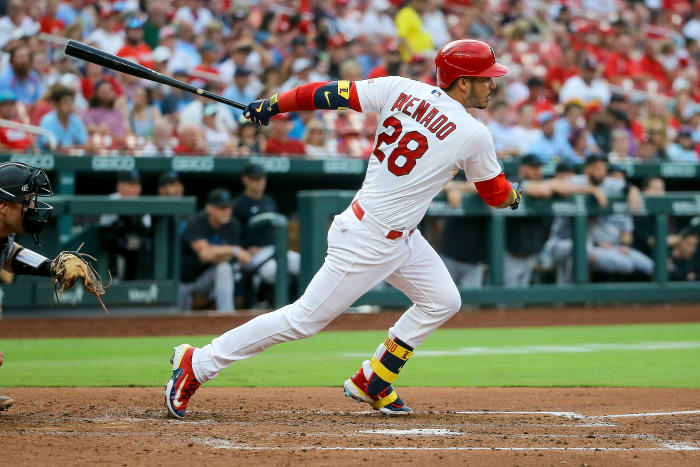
(361, 96)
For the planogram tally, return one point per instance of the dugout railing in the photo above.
(316, 209)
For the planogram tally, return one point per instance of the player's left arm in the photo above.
(25, 262)
(324, 95)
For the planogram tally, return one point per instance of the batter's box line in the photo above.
(575, 415)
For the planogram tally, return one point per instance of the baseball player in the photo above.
(424, 136)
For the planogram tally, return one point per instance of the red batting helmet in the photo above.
(466, 57)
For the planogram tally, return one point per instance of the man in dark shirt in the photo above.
(259, 241)
(210, 242)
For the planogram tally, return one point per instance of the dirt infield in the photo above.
(318, 426)
(101, 325)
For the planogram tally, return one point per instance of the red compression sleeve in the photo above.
(299, 98)
(495, 191)
(302, 98)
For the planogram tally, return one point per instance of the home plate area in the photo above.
(317, 426)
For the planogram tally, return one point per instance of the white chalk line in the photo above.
(575, 415)
(224, 444)
(534, 349)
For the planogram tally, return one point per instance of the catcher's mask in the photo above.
(23, 184)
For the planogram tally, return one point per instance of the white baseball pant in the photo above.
(359, 257)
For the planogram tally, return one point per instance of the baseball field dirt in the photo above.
(318, 426)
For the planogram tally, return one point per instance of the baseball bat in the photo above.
(100, 57)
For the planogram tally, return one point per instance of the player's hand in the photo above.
(262, 110)
(518, 192)
(243, 256)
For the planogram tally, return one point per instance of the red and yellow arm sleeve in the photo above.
(336, 95)
(495, 191)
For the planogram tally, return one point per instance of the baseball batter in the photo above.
(424, 136)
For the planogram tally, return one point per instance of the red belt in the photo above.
(360, 213)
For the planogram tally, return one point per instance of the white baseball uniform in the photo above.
(423, 137)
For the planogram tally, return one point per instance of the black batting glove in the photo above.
(262, 110)
(518, 192)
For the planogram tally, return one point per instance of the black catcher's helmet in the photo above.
(23, 184)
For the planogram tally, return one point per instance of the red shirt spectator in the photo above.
(9, 137)
(278, 143)
(135, 47)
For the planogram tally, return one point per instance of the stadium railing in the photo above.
(317, 207)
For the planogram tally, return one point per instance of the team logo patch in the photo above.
(436, 92)
(25, 188)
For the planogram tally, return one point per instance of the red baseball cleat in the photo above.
(183, 384)
(387, 402)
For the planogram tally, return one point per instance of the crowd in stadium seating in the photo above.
(586, 76)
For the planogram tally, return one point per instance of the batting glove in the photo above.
(518, 192)
(262, 110)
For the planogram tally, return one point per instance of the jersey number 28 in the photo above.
(411, 155)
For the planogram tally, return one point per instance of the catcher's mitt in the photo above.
(70, 266)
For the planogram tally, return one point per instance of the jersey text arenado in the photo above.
(440, 126)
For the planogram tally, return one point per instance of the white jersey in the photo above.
(423, 137)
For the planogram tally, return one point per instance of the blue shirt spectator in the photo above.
(20, 78)
(239, 91)
(545, 147)
(64, 123)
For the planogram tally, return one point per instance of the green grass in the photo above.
(322, 360)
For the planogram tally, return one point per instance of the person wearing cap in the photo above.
(211, 242)
(240, 90)
(683, 149)
(545, 146)
(586, 87)
(135, 46)
(207, 64)
(169, 184)
(127, 237)
(564, 170)
(64, 123)
(301, 74)
(14, 140)
(107, 36)
(219, 142)
(260, 241)
(19, 76)
(609, 236)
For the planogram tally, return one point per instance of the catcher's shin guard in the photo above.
(372, 383)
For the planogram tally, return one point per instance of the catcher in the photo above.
(22, 212)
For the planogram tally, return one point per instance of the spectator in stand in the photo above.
(410, 28)
(135, 48)
(278, 141)
(210, 244)
(19, 77)
(107, 36)
(579, 143)
(11, 139)
(619, 66)
(144, 114)
(49, 23)
(17, 23)
(104, 118)
(378, 19)
(94, 74)
(545, 147)
(191, 140)
(76, 13)
(502, 131)
(68, 128)
(157, 19)
(219, 142)
(196, 14)
(259, 241)
(650, 72)
(161, 57)
(524, 130)
(586, 87)
(239, 90)
(162, 143)
(538, 95)
(206, 67)
(683, 149)
(657, 140)
(391, 64)
(185, 54)
(620, 146)
(249, 139)
(318, 144)
(561, 71)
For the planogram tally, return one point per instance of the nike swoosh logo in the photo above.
(260, 107)
(176, 400)
(327, 100)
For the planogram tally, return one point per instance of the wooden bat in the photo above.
(100, 57)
